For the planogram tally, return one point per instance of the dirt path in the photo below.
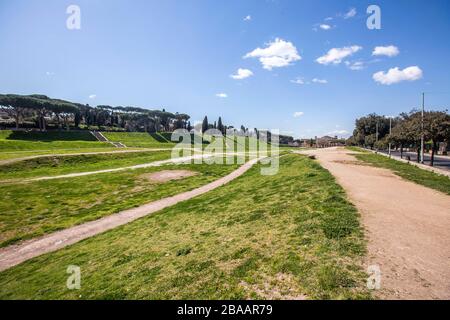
(16, 254)
(179, 160)
(408, 227)
(138, 166)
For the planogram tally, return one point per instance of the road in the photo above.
(441, 162)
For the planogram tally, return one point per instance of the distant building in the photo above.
(327, 141)
(295, 143)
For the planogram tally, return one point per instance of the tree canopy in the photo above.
(41, 109)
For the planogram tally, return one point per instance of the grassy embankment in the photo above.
(141, 139)
(24, 144)
(31, 141)
(59, 165)
(291, 235)
(410, 172)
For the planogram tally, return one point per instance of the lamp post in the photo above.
(376, 136)
(390, 133)
(422, 137)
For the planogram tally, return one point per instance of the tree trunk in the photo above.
(433, 150)
(418, 154)
(66, 123)
(401, 151)
(58, 121)
(41, 121)
(16, 117)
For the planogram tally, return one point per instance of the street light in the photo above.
(390, 133)
(422, 138)
(376, 137)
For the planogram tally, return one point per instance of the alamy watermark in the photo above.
(374, 20)
(374, 279)
(74, 280)
(214, 147)
(73, 22)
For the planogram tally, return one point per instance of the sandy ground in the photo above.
(167, 175)
(16, 254)
(407, 226)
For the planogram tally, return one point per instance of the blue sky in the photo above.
(181, 54)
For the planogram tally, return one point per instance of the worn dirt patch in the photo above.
(279, 288)
(351, 162)
(167, 175)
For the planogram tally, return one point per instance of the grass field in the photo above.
(140, 139)
(33, 141)
(35, 208)
(8, 155)
(407, 171)
(57, 165)
(291, 235)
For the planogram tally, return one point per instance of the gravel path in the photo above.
(407, 226)
(16, 254)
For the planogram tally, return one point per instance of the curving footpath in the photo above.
(16, 254)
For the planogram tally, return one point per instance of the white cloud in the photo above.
(336, 55)
(325, 26)
(356, 66)
(321, 81)
(278, 53)
(302, 81)
(328, 19)
(396, 75)
(248, 18)
(242, 74)
(221, 95)
(298, 114)
(350, 14)
(390, 51)
(92, 96)
(49, 73)
(298, 81)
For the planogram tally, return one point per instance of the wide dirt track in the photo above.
(407, 226)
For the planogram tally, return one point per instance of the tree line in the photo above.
(404, 131)
(42, 112)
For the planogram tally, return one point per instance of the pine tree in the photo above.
(205, 125)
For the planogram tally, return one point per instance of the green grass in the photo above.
(140, 139)
(357, 149)
(7, 155)
(58, 165)
(410, 172)
(31, 209)
(21, 140)
(288, 235)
